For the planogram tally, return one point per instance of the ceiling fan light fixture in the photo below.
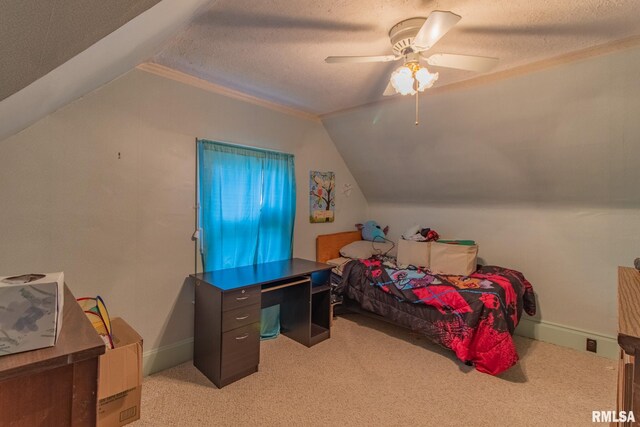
(402, 80)
(410, 39)
(412, 78)
(425, 79)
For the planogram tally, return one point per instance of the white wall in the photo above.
(541, 169)
(122, 228)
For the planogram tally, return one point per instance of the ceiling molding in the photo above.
(188, 79)
(568, 58)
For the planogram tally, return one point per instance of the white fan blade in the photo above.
(355, 59)
(436, 26)
(390, 90)
(462, 62)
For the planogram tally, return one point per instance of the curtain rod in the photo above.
(247, 147)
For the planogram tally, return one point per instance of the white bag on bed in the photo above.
(459, 260)
(414, 253)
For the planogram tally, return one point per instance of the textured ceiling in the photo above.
(273, 50)
(37, 36)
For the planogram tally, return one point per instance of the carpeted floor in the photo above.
(372, 373)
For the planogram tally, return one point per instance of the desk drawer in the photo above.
(240, 349)
(241, 316)
(240, 298)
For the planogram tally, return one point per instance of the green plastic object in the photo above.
(458, 242)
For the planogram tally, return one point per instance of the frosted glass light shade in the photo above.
(425, 79)
(402, 81)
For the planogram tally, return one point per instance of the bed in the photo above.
(474, 316)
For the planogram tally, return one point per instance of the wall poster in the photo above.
(321, 196)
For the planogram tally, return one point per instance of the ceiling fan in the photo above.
(410, 39)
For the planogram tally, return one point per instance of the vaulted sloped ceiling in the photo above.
(275, 49)
(114, 54)
(567, 135)
(37, 36)
(557, 136)
(562, 135)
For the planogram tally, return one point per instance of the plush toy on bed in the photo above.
(371, 231)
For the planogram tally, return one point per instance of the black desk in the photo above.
(227, 313)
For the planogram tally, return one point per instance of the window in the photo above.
(247, 205)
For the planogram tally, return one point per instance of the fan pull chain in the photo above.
(417, 92)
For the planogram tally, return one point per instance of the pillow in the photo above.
(363, 249)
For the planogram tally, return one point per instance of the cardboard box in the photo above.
(120, 378)
(459, 260)
(31, 308)
(414, 253)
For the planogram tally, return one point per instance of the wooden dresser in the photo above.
(629, 341)
(227, 313)
(54, 386)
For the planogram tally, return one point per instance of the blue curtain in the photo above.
(247, 205)
(278, 208)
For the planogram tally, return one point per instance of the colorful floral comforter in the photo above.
(474, 316)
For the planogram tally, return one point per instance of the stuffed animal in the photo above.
(371, 231)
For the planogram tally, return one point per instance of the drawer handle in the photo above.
(243, 337)
(242, 298)
(242, 318)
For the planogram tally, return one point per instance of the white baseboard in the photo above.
(167, 356)
(567, 336)
(171, 355)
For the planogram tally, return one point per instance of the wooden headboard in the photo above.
(328, 245)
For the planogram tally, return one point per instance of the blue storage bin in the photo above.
(270, 322)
